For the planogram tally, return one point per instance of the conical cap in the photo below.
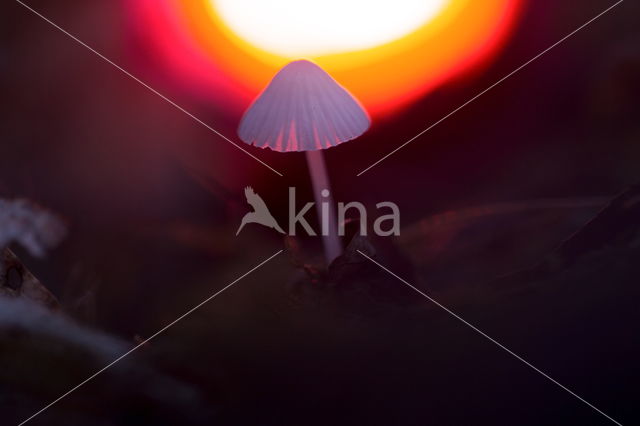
(303, 109)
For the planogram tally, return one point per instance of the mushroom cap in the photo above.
(303, 109)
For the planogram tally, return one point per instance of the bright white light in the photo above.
(313, 27)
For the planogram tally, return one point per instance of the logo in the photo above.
(385, 224)
(260, 213)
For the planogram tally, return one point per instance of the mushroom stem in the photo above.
(324, 204)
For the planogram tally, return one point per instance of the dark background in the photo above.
(152, 200)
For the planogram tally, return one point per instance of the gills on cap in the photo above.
(303, 109)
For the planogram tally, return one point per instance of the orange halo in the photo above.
(191, 39)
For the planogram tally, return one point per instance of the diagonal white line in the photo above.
(149, 87)
(518, 357)
(491, 87)
(162, 330)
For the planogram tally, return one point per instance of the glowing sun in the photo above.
(297, 27)
(388, 53)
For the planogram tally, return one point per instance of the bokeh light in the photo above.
(294, 27)
(226, 51)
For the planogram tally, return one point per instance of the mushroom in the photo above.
(304, 109)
